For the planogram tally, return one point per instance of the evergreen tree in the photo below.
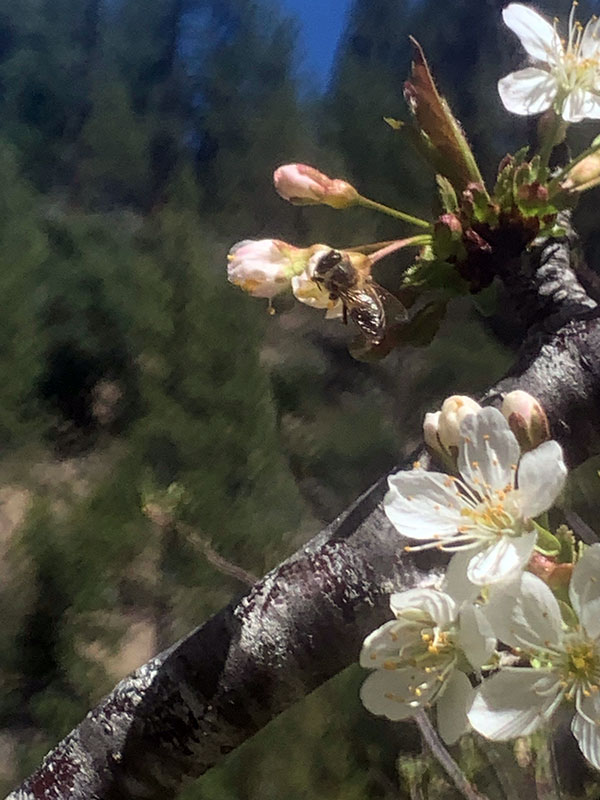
(247, 117)
(22, 258)
(371, 65)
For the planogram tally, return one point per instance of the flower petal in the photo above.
(456, 583)
(588, 739)
(537, 35)
(439, 606)
(475, 637)
(541, 477)
(578, 105)
(525, 614)
(423, 505)
(581, 104)
(514, 702)
(488, 453)
(502, 561)
(382, 645)
(590, 41)
(584, 590)
(527, 91)
(392, 694)
(452, 706)
(588, 706)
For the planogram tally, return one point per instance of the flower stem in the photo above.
(549, 141)
(391, 247)
(393, 212)
(454, 772)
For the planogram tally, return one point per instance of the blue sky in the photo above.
(321, 23)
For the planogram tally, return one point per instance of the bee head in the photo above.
(326, 263)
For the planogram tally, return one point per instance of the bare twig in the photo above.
(443, 757)
(221, 564)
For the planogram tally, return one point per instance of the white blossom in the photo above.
(418, 657)
(565, 661)
(565, 75)
(485, 517)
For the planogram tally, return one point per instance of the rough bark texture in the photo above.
(304, 622)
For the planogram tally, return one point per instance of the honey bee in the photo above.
(368, 304)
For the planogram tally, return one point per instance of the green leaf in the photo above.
(447, 194)
(453, 157)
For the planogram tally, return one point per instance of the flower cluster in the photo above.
(445, 637)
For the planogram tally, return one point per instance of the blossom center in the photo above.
(574, 70)
(490, 515)
(582, 665)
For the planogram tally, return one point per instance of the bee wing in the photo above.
(365, 308)
(395, 312)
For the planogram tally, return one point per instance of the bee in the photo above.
(368, 304)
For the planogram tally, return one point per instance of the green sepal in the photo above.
(547, 544)
(568, 615)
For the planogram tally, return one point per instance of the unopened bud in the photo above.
(304, 185)
(454, 410)
(584, 175)
(264, 268)
(526, 418)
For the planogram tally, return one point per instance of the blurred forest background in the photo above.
(137, 143)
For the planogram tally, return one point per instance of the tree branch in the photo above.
(305, 621)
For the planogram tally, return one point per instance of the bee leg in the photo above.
(345, 314)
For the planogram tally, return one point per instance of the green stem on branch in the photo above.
(548, 143)
(392, 212)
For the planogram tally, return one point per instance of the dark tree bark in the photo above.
(305, 621)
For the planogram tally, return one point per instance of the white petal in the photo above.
(391, 694)
(592, 110)
(584, 590)
(537, 35)
(502, 561)
(588, 739)
(525, 614)
(456, 583)
(475, 637)
(423, 505)
(576, 105)
(541, 477)
(381, 645)
(581, 104)
(589, 707)
(590, 41)
(438, 606)
(514, 702)
(452, 707)
(489, 452)
(528, 91)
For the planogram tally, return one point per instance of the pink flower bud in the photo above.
(304, 185)
(262, 268)
(454, 410)
(526, 418)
